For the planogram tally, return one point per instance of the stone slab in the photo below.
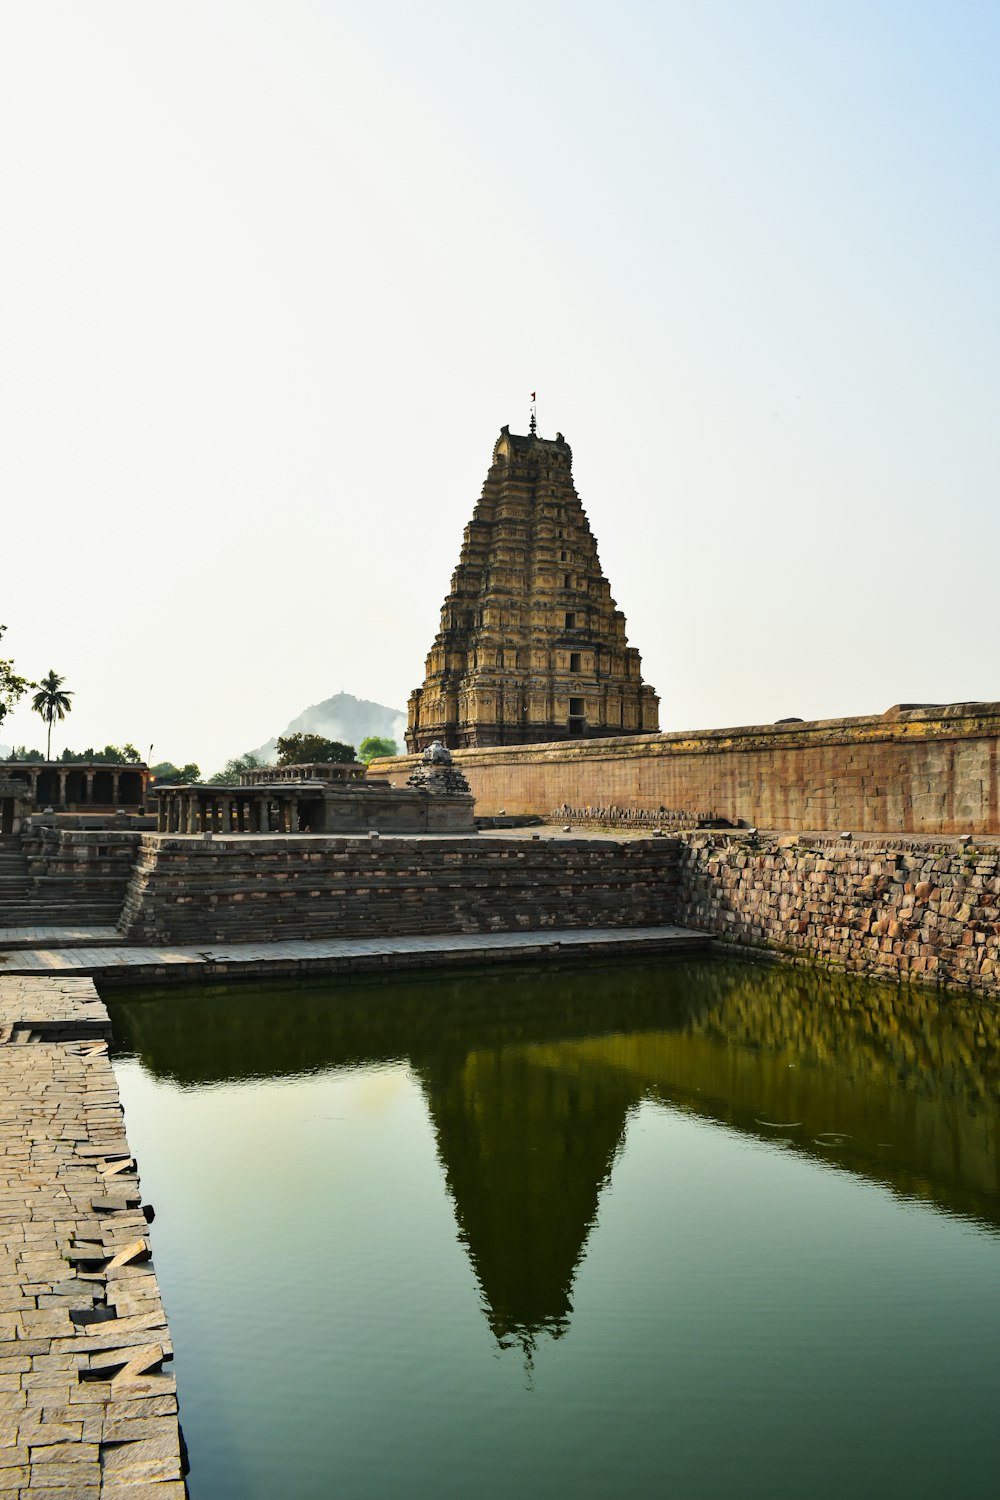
(62, 1433)
(336, 955)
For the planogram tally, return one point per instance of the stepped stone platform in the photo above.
(86, 1411)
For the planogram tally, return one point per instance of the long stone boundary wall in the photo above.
(260, 889)
(925, 771)
(906, 910)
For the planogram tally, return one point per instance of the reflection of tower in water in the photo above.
(527, 1145)
(529, 1078)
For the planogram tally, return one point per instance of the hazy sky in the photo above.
(272, 277)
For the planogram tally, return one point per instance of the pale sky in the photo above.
(273, 275)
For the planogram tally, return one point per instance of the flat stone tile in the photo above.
(60, 1133)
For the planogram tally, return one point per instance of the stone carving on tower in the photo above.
(531, 646)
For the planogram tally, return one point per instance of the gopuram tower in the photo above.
(531, 645)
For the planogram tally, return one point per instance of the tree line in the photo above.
(51, 701)
(305, 749)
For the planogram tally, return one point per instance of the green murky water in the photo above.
(680, 1229)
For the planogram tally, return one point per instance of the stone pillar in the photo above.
(62, 786)
(226, 807)
(192, 813)
(161, 816)
(88, 785)
(293, 815)
(263, 820)
(115, 779)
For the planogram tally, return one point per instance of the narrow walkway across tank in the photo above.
(334, 955)
(85, 1407)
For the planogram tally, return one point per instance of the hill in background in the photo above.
(343, 717)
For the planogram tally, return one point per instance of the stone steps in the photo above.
(58, 935)
(15, 888)
(60, 913)
(190, 891)
(84, 899)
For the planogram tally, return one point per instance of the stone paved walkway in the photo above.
(334, 955)
(86, 1412)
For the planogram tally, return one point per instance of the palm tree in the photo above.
(52, 702)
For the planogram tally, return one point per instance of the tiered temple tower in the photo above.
(531, 645)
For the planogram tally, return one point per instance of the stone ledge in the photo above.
(75, 1383)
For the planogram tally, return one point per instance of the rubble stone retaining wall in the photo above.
(260, 889)
(908, 910)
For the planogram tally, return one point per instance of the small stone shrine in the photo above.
(438, 775)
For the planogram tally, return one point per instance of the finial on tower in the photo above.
(533, 425)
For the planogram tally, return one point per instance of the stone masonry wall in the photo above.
(925, 771)
(907, 910)
(80, 872)
(259, 889)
